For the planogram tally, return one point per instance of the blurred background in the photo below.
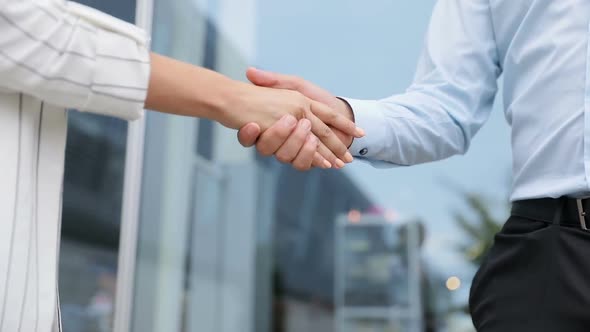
(225, 240)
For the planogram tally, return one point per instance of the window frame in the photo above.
(131, 199)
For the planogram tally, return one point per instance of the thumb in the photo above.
(261, 77)
(248, 134)
(271, 80)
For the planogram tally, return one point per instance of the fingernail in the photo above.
(348, 157)
(339, 163)
(289, 120)
(306, 124)
(360, 132)
(327, 164)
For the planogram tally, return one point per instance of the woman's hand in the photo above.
(266, 106)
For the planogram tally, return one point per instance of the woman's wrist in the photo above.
(226, 101)
(183, 89)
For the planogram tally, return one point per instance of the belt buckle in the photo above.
(581, 214)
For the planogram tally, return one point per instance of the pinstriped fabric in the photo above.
(31, 292)
(102, 68)
(52, 56)
(34, 71)
(21, 284)
(9, 233)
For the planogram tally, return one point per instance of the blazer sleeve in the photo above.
(73, 56)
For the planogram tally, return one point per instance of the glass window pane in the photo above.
(375, 267)
(204, 254)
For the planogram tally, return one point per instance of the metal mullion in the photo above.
(131, 200)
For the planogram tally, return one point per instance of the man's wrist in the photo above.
(345, 109)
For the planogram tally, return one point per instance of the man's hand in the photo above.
(288, 143)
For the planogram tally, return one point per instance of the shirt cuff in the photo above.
(122, 65)
(368, 116)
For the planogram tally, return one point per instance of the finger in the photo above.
(330, 140)
(295, 142)
(328, 155)
(320, 162)
(272, 80)
(304, 158)
(335, 119)
(272, 139)
(248, 134)
(289, 82)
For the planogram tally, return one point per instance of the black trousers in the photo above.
(535, 278)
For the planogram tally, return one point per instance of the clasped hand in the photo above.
(320, 138)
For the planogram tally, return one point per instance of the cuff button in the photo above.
(363, 151)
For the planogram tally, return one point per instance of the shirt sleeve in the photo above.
(450, 99)
(73, 56)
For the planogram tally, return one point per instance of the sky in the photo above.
(368, 50)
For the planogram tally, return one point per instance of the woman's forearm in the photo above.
(179, 88)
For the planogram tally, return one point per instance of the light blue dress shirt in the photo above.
(540, 47)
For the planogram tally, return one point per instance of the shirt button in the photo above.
(363, 151)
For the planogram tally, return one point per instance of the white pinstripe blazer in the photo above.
(53, 55)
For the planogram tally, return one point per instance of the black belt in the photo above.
(564, 211)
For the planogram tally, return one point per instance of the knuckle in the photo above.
(325, 132)
(340, 149)
(282, 157)
(263, 150)
(298, 167)
(303, 105)
(297, 82)
(302, 99)
(295, 94)
(327, 154)
(278, 134)
(299, 137)
(300, 104)
(350, 126)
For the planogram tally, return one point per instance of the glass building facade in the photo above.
(225, 240)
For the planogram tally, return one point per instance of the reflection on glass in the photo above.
(87, 281)
(90, 231)
(205, 241)
(375, 266)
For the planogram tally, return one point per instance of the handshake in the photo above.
(297, 122)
